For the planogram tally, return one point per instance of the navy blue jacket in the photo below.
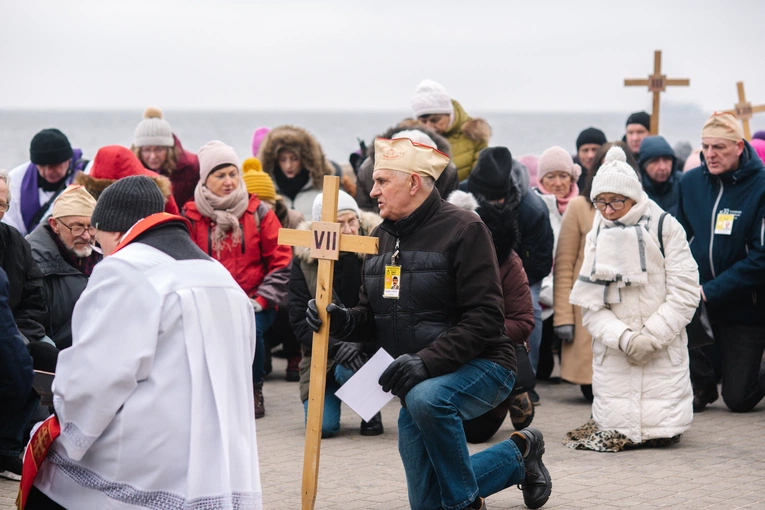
(731, 267)
(15, 362)
(663, 193)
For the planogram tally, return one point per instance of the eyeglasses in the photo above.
(616, 205)
(4, 206)
(78, 230)
(350, 224)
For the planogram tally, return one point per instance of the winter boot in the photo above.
(293, 369)
(521, 411)
(373, 427)
(537, 484)
(260, 403)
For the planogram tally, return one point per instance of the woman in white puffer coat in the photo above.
(637, 294)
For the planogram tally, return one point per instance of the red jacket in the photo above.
(259, 265)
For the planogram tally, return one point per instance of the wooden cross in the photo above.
(657, 83)
(326, 242)
(744, 110)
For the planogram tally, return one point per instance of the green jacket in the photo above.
(467, 137)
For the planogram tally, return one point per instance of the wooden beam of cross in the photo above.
(657, 83)
(326, 242)
(744, 110)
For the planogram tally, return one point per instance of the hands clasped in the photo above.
(641, 348)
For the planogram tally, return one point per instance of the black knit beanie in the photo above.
(50, 147)
(591, 135)
(641, 118)
(125, 202)
(491, 176)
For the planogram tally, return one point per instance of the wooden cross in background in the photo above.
(326, 242)
(744, 110)
(657, 83)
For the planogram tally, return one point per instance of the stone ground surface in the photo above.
(719, 463)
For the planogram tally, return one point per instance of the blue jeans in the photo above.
(535, 339)
(263, 321)
(440, 472)
(330, 421)
(13, 425)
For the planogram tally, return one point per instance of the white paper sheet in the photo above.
(361, 392)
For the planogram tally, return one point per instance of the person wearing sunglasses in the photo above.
(638, 289)
(62, 247)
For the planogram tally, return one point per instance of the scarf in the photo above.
(84, 265)
(224, 212)
(562, 202)
(618, 253)
(291, 187)
(31, 183)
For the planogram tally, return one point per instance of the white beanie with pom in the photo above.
(416, 135)
(615, 175)
(430, 98)
(345, 202)
(153, 130)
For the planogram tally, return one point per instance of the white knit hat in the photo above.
(616, 176)
(345, 202)
(431, 98)
(153, 130)
(416, 135)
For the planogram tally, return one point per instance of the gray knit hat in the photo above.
(125, 202)
(153, 130)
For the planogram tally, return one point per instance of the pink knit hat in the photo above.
(257, 139)
(214, 154)
(557, 159)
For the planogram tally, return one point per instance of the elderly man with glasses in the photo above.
(62, 247)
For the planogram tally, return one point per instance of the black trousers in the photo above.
(743, 376)
(39, 501)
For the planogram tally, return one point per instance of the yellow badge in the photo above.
(724, 224)
(392, 282)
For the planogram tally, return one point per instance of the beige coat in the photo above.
(576, 357)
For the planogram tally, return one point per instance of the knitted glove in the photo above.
(641, 349)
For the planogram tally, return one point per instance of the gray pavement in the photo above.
(719, 463)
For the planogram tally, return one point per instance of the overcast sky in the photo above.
(547, 55)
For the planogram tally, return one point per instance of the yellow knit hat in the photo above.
(257, 181)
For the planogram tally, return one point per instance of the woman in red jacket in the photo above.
(240, 232)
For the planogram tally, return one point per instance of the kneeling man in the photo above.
(154, 398)
(445, 325)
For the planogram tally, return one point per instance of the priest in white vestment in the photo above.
(154, 398)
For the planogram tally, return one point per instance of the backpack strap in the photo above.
(660, 232)
(260, 213)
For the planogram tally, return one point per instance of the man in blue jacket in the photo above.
(721, 204)
(661, 178)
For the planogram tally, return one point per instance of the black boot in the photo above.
(703, 396)
(537, 484)
(373, 427)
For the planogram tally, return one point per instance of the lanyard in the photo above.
(394, 257)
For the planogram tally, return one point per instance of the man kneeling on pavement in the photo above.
(445, 326)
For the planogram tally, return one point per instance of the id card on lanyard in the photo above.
(392, 285)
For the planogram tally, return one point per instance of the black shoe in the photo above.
(537, 484)
(704, 396)
(10, 467)
(373, 427)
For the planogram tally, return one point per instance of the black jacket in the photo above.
(63, 285)
(663, 193)
(15, 362)
(27, 297)
(451, 308)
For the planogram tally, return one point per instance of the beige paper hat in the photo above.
(74, 201)
(723, 125)
(404, 155)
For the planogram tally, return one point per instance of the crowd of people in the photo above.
(150, 280)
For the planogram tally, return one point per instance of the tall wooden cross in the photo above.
(744, 110)
(657, 83)
(326, 242)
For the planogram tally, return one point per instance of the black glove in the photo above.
(346, 351)
(341, 322)
(406, 372)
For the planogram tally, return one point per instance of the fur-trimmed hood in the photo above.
(97, 186)
(476, 130)
(302, 143)
(368, 221)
